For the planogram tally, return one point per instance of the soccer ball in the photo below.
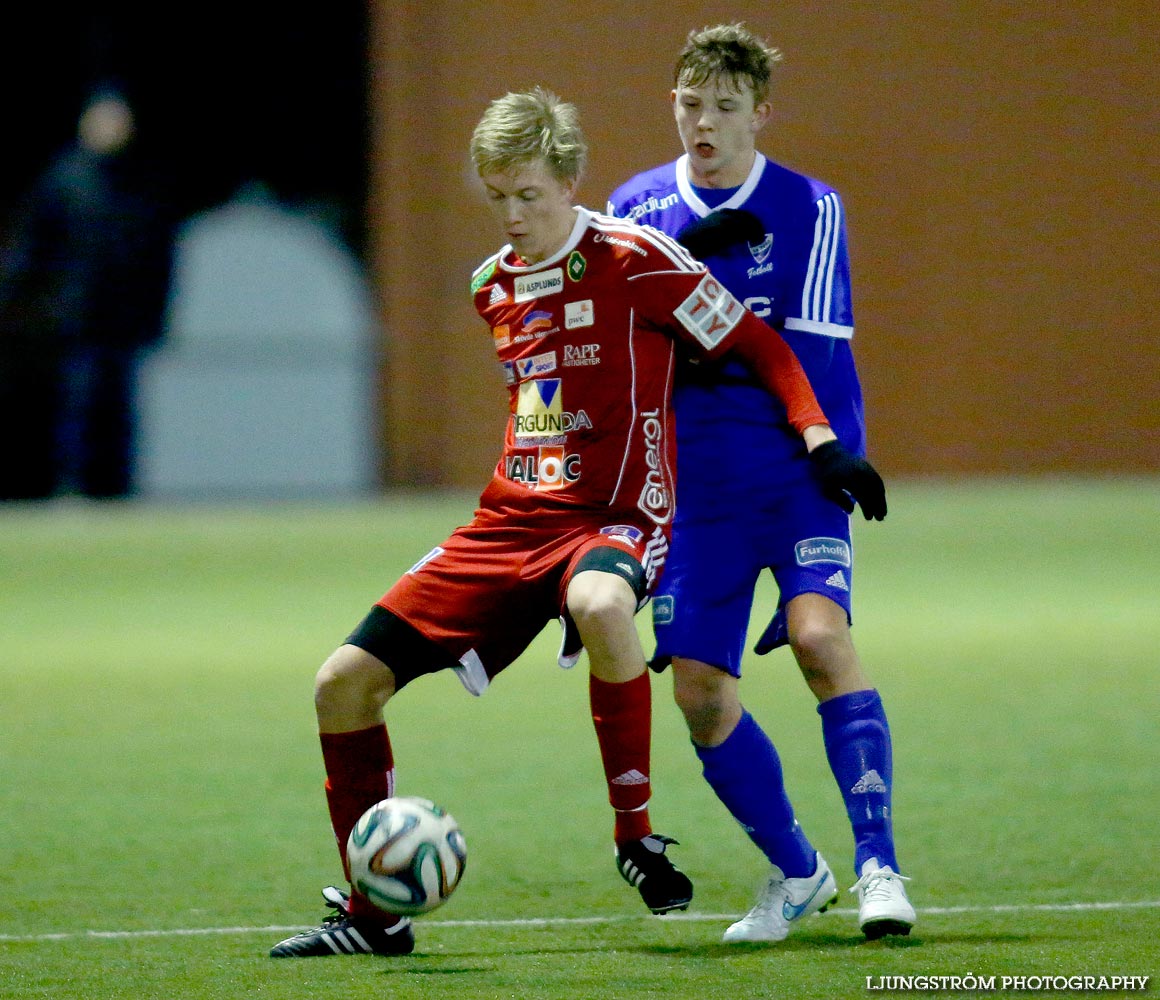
(406, 855)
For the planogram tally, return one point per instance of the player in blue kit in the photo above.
(749, 498)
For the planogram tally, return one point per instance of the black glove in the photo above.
(846, 478)
(720, 230)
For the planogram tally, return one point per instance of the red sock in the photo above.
(622, 715)
(360, 771)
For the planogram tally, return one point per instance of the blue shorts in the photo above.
(701, 607)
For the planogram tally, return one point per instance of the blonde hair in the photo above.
(727, 51)
(517, 129)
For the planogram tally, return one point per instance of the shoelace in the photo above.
(340, 905)
(773, 895)
(876, 884)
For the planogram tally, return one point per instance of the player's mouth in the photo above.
(705, 149)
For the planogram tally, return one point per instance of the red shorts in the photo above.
(488, 591)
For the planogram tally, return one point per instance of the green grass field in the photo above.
(162, 821)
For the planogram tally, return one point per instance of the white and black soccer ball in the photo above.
(406, 855)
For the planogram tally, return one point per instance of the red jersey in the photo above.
(587, 341)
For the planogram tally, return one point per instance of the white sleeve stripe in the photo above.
(648, 274)
(836, 219)
(817, 292)
(822, 312)
(835, 330)
(833, 254)
(825, 262)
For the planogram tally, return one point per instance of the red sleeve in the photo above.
(777, 367)
(718, 323)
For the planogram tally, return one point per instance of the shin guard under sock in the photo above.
(622, 715)
(857, 738)
(745, 772)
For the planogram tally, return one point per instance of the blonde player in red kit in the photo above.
(587, 313)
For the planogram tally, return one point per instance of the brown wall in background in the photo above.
(1000, 165)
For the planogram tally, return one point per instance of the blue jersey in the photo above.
(746, 500)
(797, 279)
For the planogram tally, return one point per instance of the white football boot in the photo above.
(882, 904)
(783, 901)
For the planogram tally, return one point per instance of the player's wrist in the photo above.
(818, 434)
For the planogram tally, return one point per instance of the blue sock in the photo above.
(745, 772)
(857, 738)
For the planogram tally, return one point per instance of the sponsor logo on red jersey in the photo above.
(710, 312)
(628, 531)
(482, 275)
(536, 286)
(550, 468)
(655, 497)
(578, 314)
(535, 321)
(581, 354)
(540, 411)
(539, 364)
(619, 241)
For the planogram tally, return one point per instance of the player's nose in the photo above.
(513, 211)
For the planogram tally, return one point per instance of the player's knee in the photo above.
(351, 681)
(599, 602)
(828, 661)
(708, 703)
(819, 644)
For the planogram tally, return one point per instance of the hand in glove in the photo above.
(847, 479)
(718, 231)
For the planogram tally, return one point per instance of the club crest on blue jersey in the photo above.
(761, 250)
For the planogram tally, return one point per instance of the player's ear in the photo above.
(762, 113)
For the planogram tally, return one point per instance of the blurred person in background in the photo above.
(84, 282)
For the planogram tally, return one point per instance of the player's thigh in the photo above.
(701, 608)
(598, 560)
(468, 598)
(810, 550)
